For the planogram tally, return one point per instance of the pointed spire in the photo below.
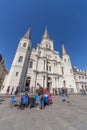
(64, 52)
(28, 34)
(46, 35)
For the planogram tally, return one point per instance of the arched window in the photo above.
(46, 45)
(79, 77)
(24, 45)
(20, 59)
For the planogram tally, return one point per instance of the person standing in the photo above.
(56, 91)
(8, 90)
(16, 92)
(64, 95)
(12, 90)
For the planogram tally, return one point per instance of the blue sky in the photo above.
(66, 21)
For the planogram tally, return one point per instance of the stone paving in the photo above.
(59, 116)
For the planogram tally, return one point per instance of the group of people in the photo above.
(39, 100)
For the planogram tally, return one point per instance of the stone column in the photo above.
(45, 82)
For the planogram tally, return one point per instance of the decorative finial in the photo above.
(46, 35)
(28, 34)
(64, 52)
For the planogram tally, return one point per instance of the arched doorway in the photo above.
(27, 85)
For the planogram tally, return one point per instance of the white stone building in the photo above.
(80, 79)
(42, 65)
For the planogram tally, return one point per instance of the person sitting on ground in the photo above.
(24, 101)
(13, 102)
(36, 97)
(20, 103)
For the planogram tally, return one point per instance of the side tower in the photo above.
(17, 74)
(68, 76)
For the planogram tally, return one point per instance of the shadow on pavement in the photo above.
(1, 100)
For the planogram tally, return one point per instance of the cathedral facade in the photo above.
(40, 66)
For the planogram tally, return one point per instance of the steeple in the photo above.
(64, 52)
(46, 35)
(28, 34)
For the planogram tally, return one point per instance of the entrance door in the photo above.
(27, 85)
(49, 83)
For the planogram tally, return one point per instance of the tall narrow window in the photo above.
(24, 45)
(20, 59)
(62, 71)
(49, 68)
(44, 64)
(31, 64)
(64, 83)
(54, 64)
(16, 74)
(79, 77)
(46, 45)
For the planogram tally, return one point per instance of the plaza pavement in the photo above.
(59, 116)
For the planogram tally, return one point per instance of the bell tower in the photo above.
(17, 74)
(68, 76)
